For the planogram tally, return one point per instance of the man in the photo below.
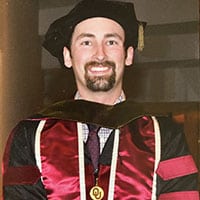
(50, 156)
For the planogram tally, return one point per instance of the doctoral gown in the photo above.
(41, 159)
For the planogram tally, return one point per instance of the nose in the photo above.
(100, 52)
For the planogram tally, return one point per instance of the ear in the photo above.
(129, 56)
(67, 57)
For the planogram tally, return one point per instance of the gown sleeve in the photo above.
(21, 177)
(177, 172)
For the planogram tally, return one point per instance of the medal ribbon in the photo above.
(82, 165)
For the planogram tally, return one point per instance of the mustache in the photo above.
(106, 63)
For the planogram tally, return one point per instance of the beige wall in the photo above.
(20, 71)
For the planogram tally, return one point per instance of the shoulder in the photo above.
(25, 128)
(21, 140)
(170, 129)
(173, 140)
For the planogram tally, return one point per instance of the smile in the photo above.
(95, 68)
(99, 69)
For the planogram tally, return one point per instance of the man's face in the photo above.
(97, 54)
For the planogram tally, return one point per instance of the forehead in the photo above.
(97, 26)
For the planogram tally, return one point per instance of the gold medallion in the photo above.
(96, 193)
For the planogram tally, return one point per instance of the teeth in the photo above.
(99, 69)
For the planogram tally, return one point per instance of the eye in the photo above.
(86, 43)
(112, 42)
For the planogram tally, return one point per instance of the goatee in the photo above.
(100, 83)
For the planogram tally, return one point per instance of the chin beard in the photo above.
(100, 83)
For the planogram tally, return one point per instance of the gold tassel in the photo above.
(140, 37)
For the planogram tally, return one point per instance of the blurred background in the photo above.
(166, 73)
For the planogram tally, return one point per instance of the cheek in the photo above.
(119, 59)
(80, 56)
(79, 59)
(117, 54)
(120, 62)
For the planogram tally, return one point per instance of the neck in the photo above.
(108, 98)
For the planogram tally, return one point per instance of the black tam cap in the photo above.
(60, 31)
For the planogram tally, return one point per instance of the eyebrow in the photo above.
(82, 35)
(108, 35)
(116, 35)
